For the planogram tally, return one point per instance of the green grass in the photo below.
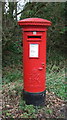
(55, 72)
(12, 75)
(56, 82)
(29, 110)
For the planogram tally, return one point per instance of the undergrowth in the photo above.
(55, 81)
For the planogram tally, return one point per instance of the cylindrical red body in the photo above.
(34, 67)
(34, 54)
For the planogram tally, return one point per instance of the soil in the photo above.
(54, 106)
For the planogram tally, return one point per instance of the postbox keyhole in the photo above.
(43, 65)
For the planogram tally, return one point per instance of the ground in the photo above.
(13, 105)
(54, 106)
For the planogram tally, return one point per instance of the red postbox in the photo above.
(34, 59)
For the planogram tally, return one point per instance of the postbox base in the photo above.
(36, 99)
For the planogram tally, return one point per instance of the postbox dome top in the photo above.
(34, 21)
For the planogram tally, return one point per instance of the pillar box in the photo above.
(34, 59)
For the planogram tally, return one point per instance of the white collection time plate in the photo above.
(33, 50)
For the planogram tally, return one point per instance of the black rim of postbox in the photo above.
(36, 99)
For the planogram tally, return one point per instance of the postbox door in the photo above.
(35, 63)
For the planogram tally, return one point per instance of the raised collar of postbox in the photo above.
(34, 21)
(34, 28)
